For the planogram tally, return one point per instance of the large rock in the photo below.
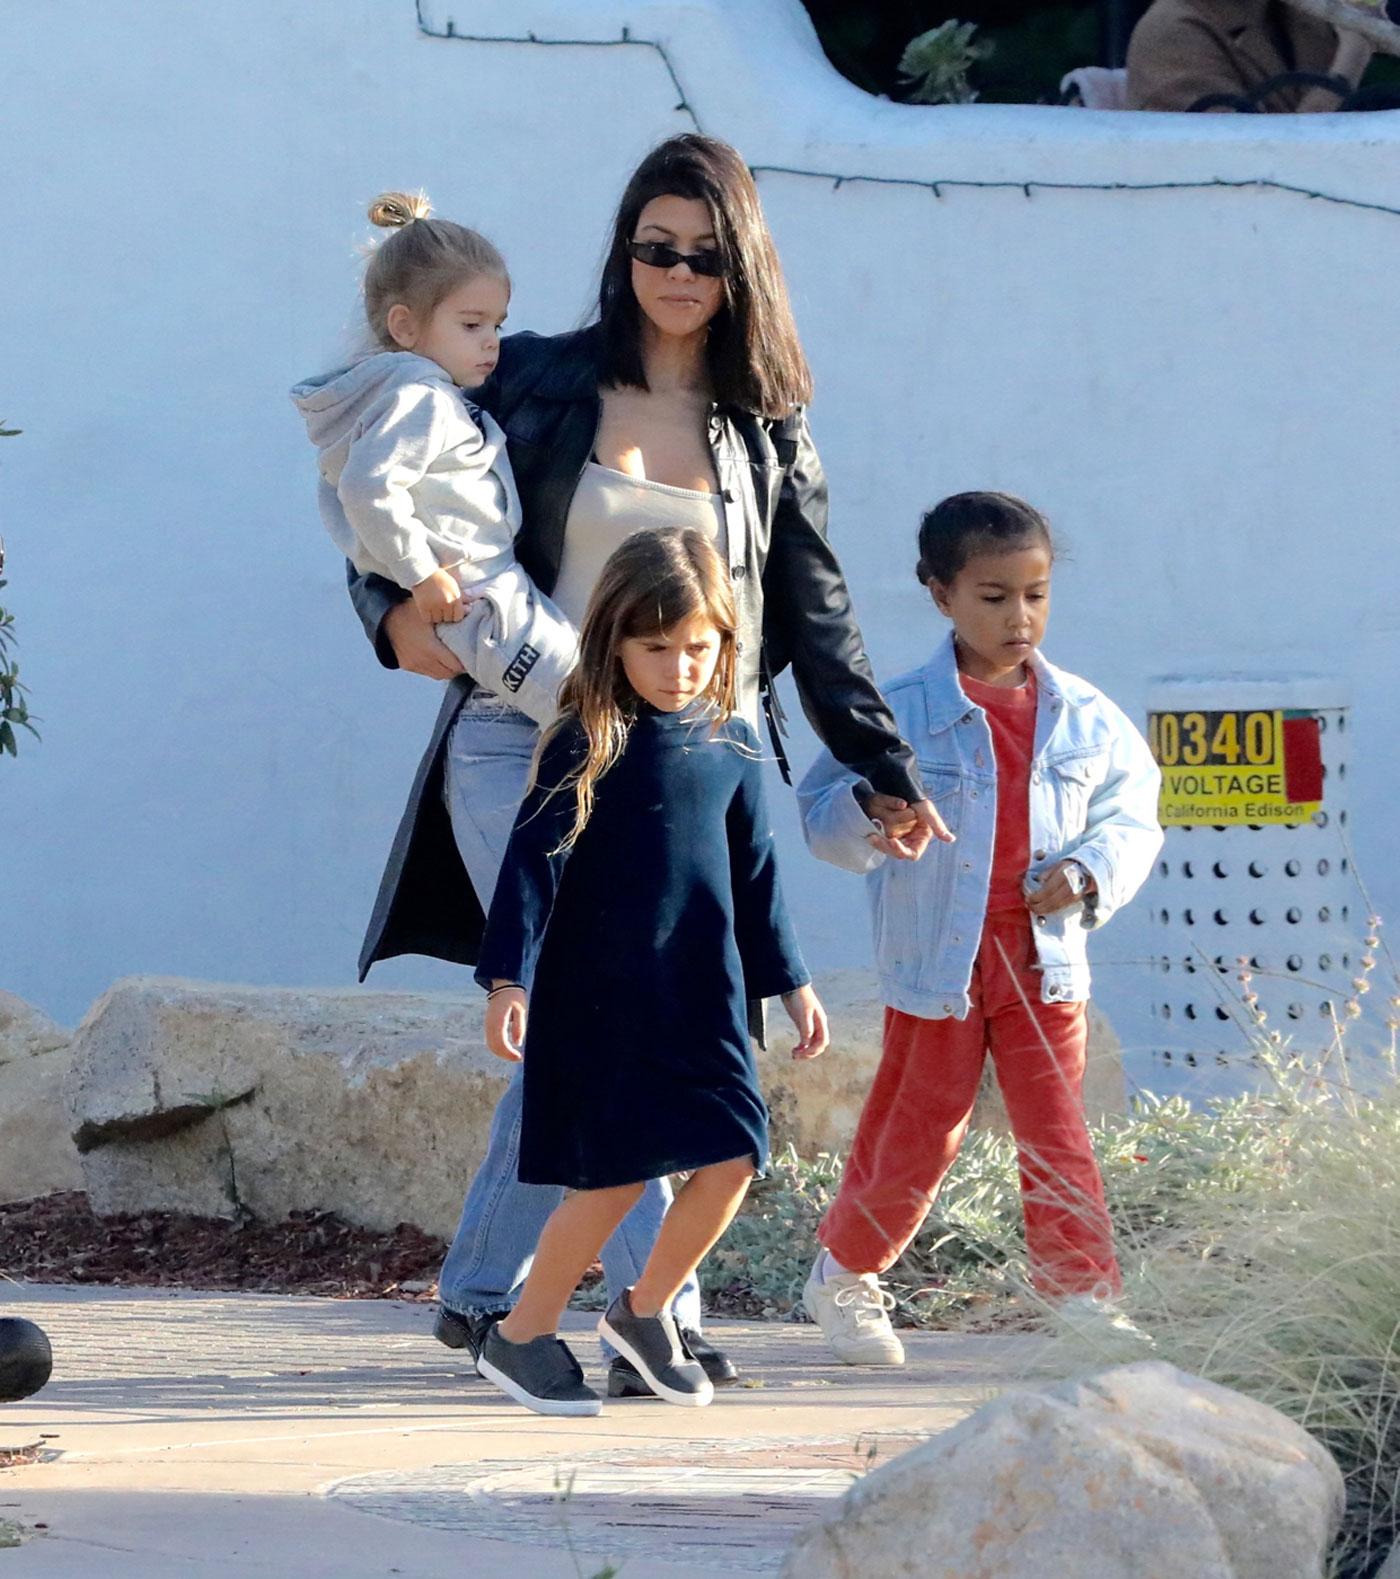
(1140, 1472)
(194, 1097)
(36, 1155)
(217, 1100)
(816, 1105)
(25, 1033)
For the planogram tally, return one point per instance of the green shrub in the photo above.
(14, 711)
(967, 1264)
(1281, 1277)
(934, 66)
(1287, 1287)
(1260, 1243)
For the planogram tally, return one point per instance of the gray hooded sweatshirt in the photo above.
(413, 478)
(416, 479)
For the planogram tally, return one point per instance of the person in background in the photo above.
(1222, 54)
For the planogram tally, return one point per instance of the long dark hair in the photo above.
(755, 358)
(651, 582)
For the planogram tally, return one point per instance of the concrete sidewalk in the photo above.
(238, 1434)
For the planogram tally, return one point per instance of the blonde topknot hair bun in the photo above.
(394, 210)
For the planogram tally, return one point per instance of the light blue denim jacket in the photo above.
(1093, 797)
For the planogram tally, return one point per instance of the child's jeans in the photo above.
(918, 1109)
(488, 760)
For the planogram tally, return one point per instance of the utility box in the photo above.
(1254, 880)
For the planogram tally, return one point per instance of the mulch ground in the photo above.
(58, 1239)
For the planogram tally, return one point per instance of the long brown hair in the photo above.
(653, 581)
(423, 261)
(754, 356)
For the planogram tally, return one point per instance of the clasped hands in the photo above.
(906, 828)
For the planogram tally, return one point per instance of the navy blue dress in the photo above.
(642, 945)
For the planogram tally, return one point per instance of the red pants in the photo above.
(918, 1109)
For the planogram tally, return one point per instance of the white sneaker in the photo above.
(853, 1312)
(1098, 1318)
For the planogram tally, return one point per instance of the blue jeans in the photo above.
(488, 761)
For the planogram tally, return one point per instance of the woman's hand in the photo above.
(905, 830)
(806, 1013)
(416, 646)
(1059, 889)
(505, 1022)
(438, 598)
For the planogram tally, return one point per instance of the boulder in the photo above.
(36, 1155)
(25, 1033)
(1139, 1472)
(815, 1106)
(221, 1100)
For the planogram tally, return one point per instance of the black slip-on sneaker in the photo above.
(467, 1332)
(717, 1365)
(541, 1374)
(654, 1347)
(624, 1380)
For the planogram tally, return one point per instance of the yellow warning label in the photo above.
(1237, 767)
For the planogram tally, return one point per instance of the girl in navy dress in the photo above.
(639, 902)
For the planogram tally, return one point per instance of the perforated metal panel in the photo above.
(1274, 903)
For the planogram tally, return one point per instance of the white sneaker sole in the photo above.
(625, 1349)
(541, 1406)
(878, 1353)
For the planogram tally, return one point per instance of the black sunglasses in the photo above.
(656, 256)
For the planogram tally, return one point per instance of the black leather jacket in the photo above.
(794, 611)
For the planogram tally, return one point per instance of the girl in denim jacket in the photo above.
(1052, 796)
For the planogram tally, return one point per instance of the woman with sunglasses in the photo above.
(681, 406)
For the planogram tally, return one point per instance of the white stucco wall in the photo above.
(1198, 385)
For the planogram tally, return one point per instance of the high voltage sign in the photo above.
(1237, 767)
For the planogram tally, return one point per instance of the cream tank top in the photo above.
(609, 506)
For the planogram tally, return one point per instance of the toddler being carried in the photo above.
(415, 483)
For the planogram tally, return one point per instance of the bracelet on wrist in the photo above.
(508, 986)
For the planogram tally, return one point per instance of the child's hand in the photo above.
(893, 815)
(439, 598)
(905, 830)
(505, 1023)
(806, 1013)
(931, 826)
(895, 821)
(1065, 884)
